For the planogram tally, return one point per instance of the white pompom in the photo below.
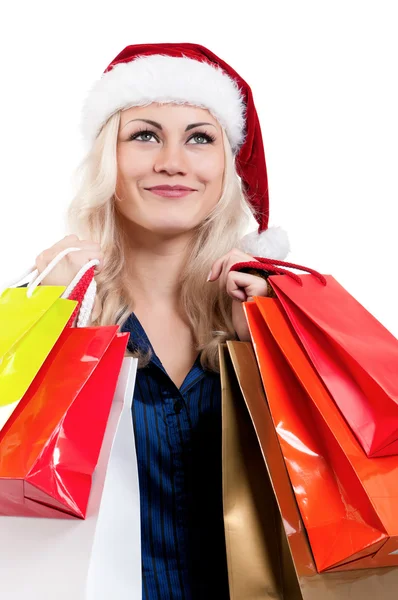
(271, 243)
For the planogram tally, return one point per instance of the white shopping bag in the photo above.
(95, 559)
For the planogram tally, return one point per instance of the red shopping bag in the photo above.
(346, 499)
(356, 357)
(50, 446)
(90, 559)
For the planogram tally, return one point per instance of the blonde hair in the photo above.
(92, 215)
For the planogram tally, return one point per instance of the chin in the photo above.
(173, 222)
(172, 229)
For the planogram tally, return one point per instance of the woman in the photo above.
(175, 167)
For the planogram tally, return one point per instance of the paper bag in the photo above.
(29, 329)
(346, 461)
(282, 565)
(93, 559)
(50, 445)
(353, 353)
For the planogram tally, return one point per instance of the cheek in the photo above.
(132, 165)
(210, 168)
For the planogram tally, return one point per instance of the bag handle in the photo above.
(274, 267)
(82, 288)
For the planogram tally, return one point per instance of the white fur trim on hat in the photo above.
(165, 79)
(271, 243)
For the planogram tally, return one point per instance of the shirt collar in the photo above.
(138, 338)
(140, 341)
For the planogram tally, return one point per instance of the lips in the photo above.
(171, 191)
(170, 187)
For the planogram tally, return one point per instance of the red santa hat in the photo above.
(192, 74)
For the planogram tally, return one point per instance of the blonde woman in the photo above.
(174, 170)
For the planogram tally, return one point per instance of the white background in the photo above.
(324, 78)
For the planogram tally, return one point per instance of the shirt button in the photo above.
(178, 406)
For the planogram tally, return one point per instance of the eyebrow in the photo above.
(158, 125)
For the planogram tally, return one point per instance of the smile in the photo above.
(170, 192)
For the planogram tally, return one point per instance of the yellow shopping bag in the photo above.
(29, 328)
(31, 321)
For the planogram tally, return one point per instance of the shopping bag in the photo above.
(93, 559)
(356, 527)
(29, 329)
(374, 474)
(252, 522)
(256, 476)
(50, 445)
(355, 356)
(31, 320)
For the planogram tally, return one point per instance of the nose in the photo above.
(170, 159)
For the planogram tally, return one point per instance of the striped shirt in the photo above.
(178, 444)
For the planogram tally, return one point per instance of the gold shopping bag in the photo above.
(267, 547)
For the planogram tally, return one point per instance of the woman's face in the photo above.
(174, 147)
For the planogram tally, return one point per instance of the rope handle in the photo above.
(274, 267)
(82, 288)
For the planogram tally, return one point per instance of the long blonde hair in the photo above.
(92, 215)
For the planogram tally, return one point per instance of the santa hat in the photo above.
(191, 74)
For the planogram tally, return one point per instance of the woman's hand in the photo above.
(67, 268)
(240, 286)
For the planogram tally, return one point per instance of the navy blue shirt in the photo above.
(178, 444)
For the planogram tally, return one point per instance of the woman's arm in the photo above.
(241, 286)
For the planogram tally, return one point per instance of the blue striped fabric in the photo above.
(178, 440)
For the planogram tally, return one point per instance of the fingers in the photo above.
(70, 265)
(243, 287)
(225, 262)
(233, 282)
(89, 251)
(221, 267)
(235, 286)
(216, 269)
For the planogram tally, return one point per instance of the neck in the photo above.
(154, 267)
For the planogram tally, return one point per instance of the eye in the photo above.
(201, 138)
(143, 136)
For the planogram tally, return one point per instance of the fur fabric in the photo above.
(165, 79)
(271, 243)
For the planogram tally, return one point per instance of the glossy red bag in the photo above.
(268, 554)
(353, 353)
(50, 446)
(347, 500)
(356, 357)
